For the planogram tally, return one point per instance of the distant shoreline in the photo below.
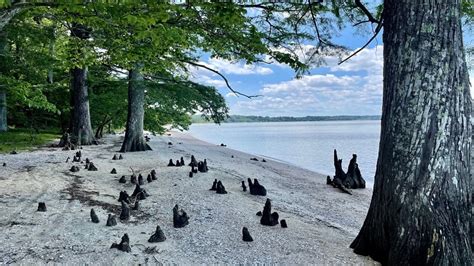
(250, 119)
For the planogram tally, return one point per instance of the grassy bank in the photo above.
(21, 139)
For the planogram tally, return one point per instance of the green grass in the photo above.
(21, 139)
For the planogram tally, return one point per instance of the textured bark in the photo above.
(134, 140)
(3, 93)
(421, 204)
(3, 111)
(80, 125)
(6, 15)
(81, 129)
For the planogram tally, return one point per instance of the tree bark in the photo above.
(6, 16)
(80, 125)
(421, 205)
(3, 94)
(81, 131)
(134, 140)
(3, 111)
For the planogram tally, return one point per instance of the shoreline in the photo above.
(321, 221)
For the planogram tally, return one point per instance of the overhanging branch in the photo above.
(377, 30)
(223, 77)
(369, 15)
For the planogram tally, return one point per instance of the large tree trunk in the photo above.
(81, 129)
(3, 94)
(3, 111)
(134, 140)
(80, 125)
(421, 204)
(7, 14)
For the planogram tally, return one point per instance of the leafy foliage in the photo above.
(174, 103)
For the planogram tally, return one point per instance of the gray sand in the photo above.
(322, 222)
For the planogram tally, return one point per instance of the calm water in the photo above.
(306, 144)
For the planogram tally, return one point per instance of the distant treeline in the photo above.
(253, 118)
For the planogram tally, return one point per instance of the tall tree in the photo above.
(81, 128)
(421, 204)
(3, 93)
(134, 140)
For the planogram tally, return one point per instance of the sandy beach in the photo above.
(322, 222)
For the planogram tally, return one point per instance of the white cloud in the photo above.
(225, 67)
(325, 94)
(237, 68)
(471, 78)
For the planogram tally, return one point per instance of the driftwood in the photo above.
(133, 179)
(214, 185)
(65, 142)
(41, 207)
(256, 189)
(136, 206)
(158, 236)
(202, 166)
(220, 188)
(123, 196)
(354, 178)
(111, 221)
(268, 218)
(180, 217)
(92, 167)
(345, 181)
(244, 188)
(246, 235)
(125, 212)
(138, 190)
(94, 217)
(193, 161)
(124, 245)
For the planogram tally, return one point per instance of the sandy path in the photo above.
(322, 222)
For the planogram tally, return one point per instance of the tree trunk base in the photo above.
(135, 145)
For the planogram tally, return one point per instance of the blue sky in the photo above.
(353, 88)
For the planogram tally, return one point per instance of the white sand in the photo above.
(322, 221)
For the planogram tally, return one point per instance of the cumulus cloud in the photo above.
(358, 90)
(471, 78)
(225, 67)
(237, 68)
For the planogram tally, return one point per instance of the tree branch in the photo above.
(367, 12)
(377, 30)
(313, 17)
(224, 78)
